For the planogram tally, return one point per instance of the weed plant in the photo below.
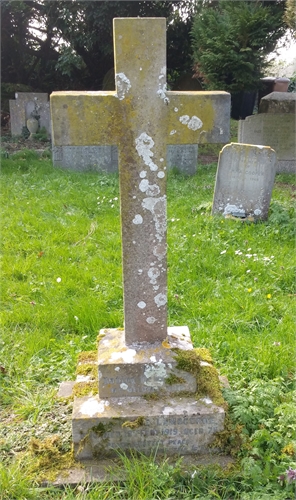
(231, 282)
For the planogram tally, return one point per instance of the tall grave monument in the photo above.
(141, 118)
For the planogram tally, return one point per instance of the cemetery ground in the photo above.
(230, 281)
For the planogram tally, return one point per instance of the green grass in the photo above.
(232, 283)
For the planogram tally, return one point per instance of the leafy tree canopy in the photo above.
(232, 39)
(68, 44)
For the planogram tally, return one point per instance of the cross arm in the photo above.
(198, 117)
(84, 118)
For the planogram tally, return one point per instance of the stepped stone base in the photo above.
(172, 425)
(136, 370)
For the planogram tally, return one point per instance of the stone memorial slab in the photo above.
(244, 181)
(184, 158)
(140, 117)
(105, 158)
(24, 105)
(86, 158)
(172, 426)
(274, 126)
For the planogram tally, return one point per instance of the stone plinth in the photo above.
(137, 370)
(147, 401)
(278, 102)
(244, 181)
(176, 425)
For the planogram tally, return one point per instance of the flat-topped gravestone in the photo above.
(24, 105)
(244, 181)
(278, 103)
(274, 126)
(141, 118)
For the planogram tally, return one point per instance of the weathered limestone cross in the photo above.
(141, 118)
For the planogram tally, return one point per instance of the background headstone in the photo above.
(244, 181)
(273, 126)
(21, 108)
(105, 158)
(183, 157)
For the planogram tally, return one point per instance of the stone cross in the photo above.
(141, 117)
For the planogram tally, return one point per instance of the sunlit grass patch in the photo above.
(231, 282)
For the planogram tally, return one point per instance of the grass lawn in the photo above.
(231, 282)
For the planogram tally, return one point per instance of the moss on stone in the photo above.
(208, 384)
(81, 389)
(100, 337)
(204, 354)
(174, 379)
(153, 396)
(207, 378)
(87, 369)
(101, 428)
(48, 458)
(135, 423)
(188, 361)
(87, 356)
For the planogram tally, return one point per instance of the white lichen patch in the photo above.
(153, 274)
(193, 123)
(117, 369)
(144, 144)
(162, 85)
(257, 211)
(162, 73)
(153, 359)
(150, 320)
(138, 219)
(124, 386)
(172, 132)
(233, 209)
(123, 85)
(141, 304)
(83, 378)
(160, 299)
(149, 189)
(143, 174)
(157, 206)
(161, 175)
(207, 401)
(92, 406)
(159, 251)
(155, 374)
(127, 356)
(167, 410)
(176, 110)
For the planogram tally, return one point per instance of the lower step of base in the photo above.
(178, 425)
